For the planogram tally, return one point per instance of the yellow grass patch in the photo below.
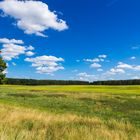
(26, 124)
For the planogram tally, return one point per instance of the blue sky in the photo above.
(82, 40)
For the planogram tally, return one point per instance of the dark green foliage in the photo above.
(2, 68)
(117, 82)
(27, 124)
(12, 81)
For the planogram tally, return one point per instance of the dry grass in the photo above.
(25, 124)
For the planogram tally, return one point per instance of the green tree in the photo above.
(2, 69)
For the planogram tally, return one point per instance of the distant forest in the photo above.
(117, 82)
(13, 81)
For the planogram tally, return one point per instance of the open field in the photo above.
(69, 112)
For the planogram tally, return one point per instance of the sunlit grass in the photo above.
(84, 88)
(26, 124)
(69, 112)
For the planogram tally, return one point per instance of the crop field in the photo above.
(69, 112)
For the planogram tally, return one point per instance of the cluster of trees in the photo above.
(13, 81)
(2, 69)
(117, 82)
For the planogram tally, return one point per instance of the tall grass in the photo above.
(69, 112)
(25, 124)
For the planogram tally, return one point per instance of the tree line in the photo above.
(117, 82)
(13, 81)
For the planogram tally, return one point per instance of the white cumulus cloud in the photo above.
(116, 71)
(30, 48)
(124, 66)
(95, 61)
(46, 64)
(10, 51)
(92, 60)
(86, 77)
(12, 48)
(102, 56)
(95, 65)
(128, 66)
(10, 41)
(29, 53)
(33, 17)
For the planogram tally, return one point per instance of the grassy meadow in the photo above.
(69, 112)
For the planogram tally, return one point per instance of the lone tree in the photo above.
(2, 69)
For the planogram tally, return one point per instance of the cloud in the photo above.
(33, 17)
(10, 41)
(95, 61)
(114, 71)
(120, 71)
(108, 75)
(95, 65)
(124, 66)
(133, 58)
(92, 60)
(14, 64)
(10, 51)
(29, 53)
(137, 68)
(46, 64)
(111, 73)
(12, 48)
(30, 48)
(128, 66)
(102, 56)
(86, 77)
(135, 77)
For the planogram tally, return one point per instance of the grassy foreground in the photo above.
(69, 112)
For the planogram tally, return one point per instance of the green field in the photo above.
(69, 112)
